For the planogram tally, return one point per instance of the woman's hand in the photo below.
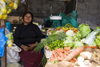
(33, 45)
(25, 48)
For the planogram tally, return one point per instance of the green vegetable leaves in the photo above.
(70, 33)
(97, 42)
(68, 43)
(84, 29)
(68, 25)
(78, 44)
(56, 44)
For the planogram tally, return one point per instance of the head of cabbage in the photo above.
(84, 30)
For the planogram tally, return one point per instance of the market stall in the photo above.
(67, 46)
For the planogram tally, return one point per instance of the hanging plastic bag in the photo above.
(3, 40)
(12, 54)
(8, 26)
(7, 31)
(91, 37)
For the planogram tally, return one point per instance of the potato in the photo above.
(89, 49)
(96, 50)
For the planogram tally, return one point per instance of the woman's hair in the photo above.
(28, 12)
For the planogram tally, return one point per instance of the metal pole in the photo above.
(3, 59)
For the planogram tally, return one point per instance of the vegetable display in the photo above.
(67, 46)
(60, 54)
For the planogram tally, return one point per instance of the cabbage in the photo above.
(97, 42)
(70, 33)
(78, 44)
(94, 44)
(69, 38)
(68, 43)
(78, 34)
(97, 28)
(84, 29)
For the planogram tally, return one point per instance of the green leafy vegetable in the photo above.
(68, 25)
(58, 27)
(97, 28)
(84, 29)
(94, 44)
(49, 40)
(97, 42)
(68, 43)
(78, 44)
(78, 35)
(56, 44)
(55, 61)
(70, 33)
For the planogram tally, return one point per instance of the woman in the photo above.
(27, 36)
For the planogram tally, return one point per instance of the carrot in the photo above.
(60, 59)
(57, 51)
(52, 57)
(60, 49)
(57, 29)
(93, 47)
(72, 61)
(76, 31)
(74, 53)
(65, 31)
(65, 53)
(68, 52)
(67, 48)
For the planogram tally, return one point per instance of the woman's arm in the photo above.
(16, 37)
(39, 34)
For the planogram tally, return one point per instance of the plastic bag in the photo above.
(12, 54)
(15, 48)
(3, 40)
(72, 18)
(8, 26)
(14, 65)
(91, 37)
(7, 31)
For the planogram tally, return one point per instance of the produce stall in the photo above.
(67, 46)
(6, 7)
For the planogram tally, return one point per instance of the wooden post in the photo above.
(27, 5)
(3, 59)
(74, 5)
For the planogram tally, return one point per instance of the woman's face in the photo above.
(27, 18)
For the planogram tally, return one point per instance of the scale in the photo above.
(54, 17)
